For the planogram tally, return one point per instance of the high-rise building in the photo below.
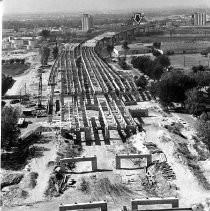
(199, 19)
(87, 22)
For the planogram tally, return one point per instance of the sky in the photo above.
(51, 6)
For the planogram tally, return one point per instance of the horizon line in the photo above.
(109, 11)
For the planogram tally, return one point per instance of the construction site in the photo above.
(90, 112)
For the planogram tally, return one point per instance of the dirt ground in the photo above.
(28, 82)
(189, 191)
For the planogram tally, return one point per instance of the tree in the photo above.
(9, 129)
(55, 52)
(198, 68)
(172, 87)
(169, 52)
(163, 60)
(202, 78)
(125, 48)
(17, 60)
(122, 63)
(153, 89)
(7, 83)
(149, 67)
(156, 52)
(110, 49)
(45, 53)
(157, 45)
(193, 101)
(141, 81)
(11, 61)
(22, 61)
(157, 72)
(141, 62)
(45, 33)
(204, 53)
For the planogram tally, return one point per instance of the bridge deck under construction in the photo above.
(92, 95)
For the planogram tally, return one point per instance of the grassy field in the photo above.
(14, 69)
(190, 60)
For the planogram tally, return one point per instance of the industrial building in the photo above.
(199, 19)
(138, 48)
(87, 22)
(17, 43)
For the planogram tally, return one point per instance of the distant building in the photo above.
(87, 22)
(199, 19)
(137, 48)
(8, 30)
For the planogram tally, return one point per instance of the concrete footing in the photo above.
(152, 201)
(129, 156)
(91, 205)
(79, 159)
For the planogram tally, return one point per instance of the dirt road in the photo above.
(24, 79)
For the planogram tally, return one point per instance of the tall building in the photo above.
(199, 19)
(87, 22)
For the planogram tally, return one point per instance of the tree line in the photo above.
(45, 53)
(153, 68)
(171, 86)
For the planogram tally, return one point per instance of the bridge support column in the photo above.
(107, 136)
(120, 96)
(51, 104)
(118, 162)
(62, 95)
(152, 201)
(84, 206)
(94, 164)
(88, 134)
(130, 156)
(93, 161)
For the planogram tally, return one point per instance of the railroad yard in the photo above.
(97, 114)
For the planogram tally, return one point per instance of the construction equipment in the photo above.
(41, 111)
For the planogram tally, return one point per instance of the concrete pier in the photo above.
(152, 201)
(79, 159)
(91, 205)
(129, 156)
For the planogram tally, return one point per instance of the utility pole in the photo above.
(184, 61)
(40, 91)
(25, 88)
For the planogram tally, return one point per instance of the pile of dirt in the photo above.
(100, 187)
(14, 195)
(29, 181)
(11, 179)
(66, 149)
(19, 191)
